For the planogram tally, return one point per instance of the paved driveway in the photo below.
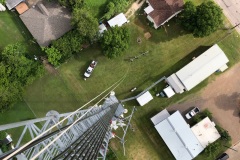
(231, 9)
(221, 98)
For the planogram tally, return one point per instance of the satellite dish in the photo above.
(121, 124)
(125, 111)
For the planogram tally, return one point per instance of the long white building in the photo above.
(199, 69)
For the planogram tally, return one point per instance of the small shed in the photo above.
(102, 28)
(21, 7)
(144, 98)
(169, 91)
(118, 20)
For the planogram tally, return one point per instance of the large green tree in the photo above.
(85, 23)
(115, 41)
(209, 19)
(16, 71)
(201, 20)
(69, 44)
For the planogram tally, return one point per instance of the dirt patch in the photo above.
(134, 7)
(147, 35)
(49, 67)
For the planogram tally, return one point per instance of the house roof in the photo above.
(21, 7)
(160, 117)
(164, 9)
(206, 132)
(144, 98)
(202, 67)
(47, 21)
(118, 20)
(179, 138)
(12, 3)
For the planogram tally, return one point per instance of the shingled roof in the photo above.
(164, 9)
(47, 21)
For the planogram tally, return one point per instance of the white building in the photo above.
(118, 20)
(199, 69)
(184, 142)
(144, 98)
(178, 136)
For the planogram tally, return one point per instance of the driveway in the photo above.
(221, 97)
(231, 9)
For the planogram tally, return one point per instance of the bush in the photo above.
(212, 148)
(224, 134)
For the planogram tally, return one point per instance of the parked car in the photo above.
(223, 156)
(90, 69)
(192, 113)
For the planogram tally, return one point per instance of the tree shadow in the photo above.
(229, 102)
(183, 62)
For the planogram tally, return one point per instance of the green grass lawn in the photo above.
(170, 48)
(97, 7)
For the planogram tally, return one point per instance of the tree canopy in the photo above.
(114, 7)
(69, 44)
(16, 71)
(85, 23)
(201, 20)
(115, 41)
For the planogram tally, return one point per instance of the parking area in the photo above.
(221, 97)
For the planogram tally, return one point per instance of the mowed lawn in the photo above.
(170, 48)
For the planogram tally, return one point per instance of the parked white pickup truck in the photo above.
(90, 69)
(192, 113)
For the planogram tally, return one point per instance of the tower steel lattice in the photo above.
(83, 135)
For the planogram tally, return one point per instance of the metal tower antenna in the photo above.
(83, 135)
(124, 127)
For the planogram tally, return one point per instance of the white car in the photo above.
(90, 69)
(192, 113)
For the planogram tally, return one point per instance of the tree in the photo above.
(85, 23)
(201, 20)
(16, 71)
(53, 55)
(212, 148)
(188, 16)
(209, 18)
(69, 44)
(114, 7)
(115, 41)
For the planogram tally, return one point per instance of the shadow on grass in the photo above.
(183, 62)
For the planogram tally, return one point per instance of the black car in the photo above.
(223, 156)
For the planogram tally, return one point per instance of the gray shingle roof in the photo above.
(47, 28)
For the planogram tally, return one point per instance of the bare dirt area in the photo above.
(221, 97)
(49, 67)
(231, 8)
(134, 7)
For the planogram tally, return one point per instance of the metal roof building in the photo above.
(144, 98)
(199, 69)
(118, 20)
(178, 136)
